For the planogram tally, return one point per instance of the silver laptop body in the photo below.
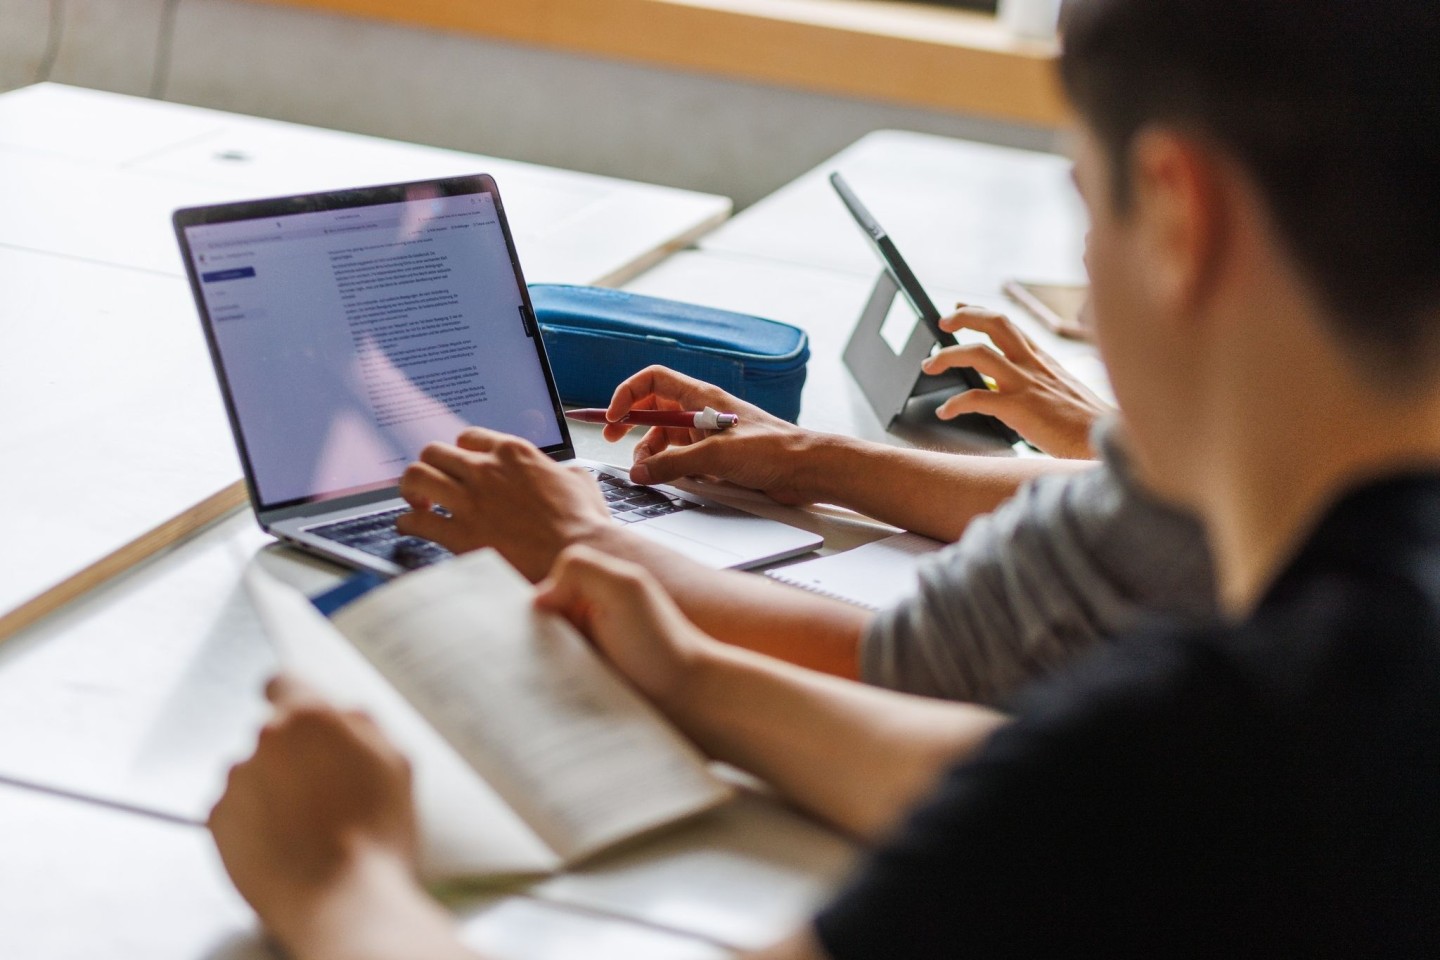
(350, 328)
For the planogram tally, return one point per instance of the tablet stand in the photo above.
(893, 383)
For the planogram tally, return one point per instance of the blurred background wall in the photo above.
(665, 126)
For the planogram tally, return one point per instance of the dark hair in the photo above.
(1332, 107)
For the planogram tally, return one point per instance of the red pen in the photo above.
(707, 419)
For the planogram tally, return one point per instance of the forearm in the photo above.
(370, 911)
(368, 920)
(750, 611)
(802, 628)
(853, 755)
(936, 494)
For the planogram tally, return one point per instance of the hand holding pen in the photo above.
(707, 419)
(757, 450)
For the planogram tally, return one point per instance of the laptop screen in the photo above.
(349, 337)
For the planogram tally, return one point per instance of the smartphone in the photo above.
(1061, 307)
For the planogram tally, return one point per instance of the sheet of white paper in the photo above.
(876, 576)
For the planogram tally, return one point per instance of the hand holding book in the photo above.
(627, 615)
(529, 751)
(325, 794)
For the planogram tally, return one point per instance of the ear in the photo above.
(1179, 200)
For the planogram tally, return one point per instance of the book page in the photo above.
(522, 697)
(466, 829)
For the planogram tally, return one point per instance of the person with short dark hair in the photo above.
(1265, 266)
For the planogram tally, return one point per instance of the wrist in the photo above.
(589, 530)
(683, 697)
(714, 702)
(371, 908)
(604, 536)
(823, 463)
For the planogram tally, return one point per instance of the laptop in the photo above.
(349, 329)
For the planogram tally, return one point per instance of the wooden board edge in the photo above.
(981, 72)
(171, 532)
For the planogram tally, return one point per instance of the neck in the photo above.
(1299, 434)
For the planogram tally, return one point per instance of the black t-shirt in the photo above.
(1270, 789)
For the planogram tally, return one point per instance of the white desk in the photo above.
(965, 215)
(139, 695)
(112, 420)
(142, 693)
(106, 697)
(94, 176)
(82, 881)
(103, 352)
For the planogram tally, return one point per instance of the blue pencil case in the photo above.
(596, 337)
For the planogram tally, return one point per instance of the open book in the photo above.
(529, 753)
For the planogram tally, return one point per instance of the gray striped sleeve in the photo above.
(1066, 562)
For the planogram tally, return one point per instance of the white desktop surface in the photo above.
(142, 692)
(745, 875)
(81, 881)
(113, 421)
(96, 175)
(964, 215)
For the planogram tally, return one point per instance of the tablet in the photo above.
(915, 294)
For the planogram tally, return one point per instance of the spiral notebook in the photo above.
(876, 576)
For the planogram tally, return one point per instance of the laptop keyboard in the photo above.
(630, 502)
(375, 533)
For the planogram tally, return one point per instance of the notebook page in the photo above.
(526, 701)
(876, 575)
